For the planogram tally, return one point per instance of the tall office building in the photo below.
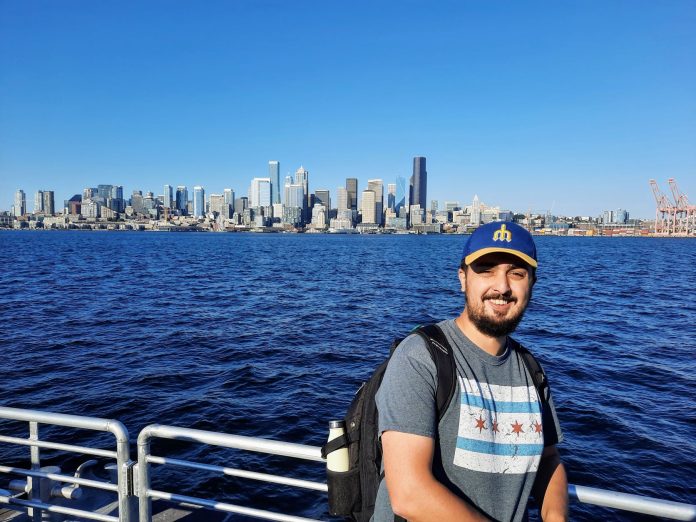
(38, 202)
(218, 205)
(167, 202)
(322, 197)
(294, 195)
(274, 175)
(401, 196)
(368, 207)
(229, 196)
(377, 186)
(241, 204)
(20, 203)
(391, 196)
(181, 198)
(475, 211)
(352, 188)
(419, 183)
(342, 199)
(198, 201)
(302, 178)
(260, 193)
(49, 205)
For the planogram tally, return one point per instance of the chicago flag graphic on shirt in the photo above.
(500, 429)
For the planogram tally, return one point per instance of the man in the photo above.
(496, 443)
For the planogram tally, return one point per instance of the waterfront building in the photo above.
(182, 199)
(319, 216)
(38, 202)
(368, 207)
(90, 209)
(198, 201)
(621, 216)
(342, 222)
(20, 203)
(416, 215)
(274, 175)
(137, 206)
(260, 192)
(167, 197)
(419, 183)
(475, 212)
(377, 186)
(352, 188)
(292, 216)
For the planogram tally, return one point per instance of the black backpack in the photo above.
(352, 494)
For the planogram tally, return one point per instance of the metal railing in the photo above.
(123, 488)
(131, 484)
(272, 447)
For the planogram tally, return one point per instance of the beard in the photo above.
(494, 326)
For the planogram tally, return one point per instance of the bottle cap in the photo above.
(337, 424)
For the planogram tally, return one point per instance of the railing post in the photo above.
(144, 500)
(33, 484)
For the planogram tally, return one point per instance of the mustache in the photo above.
(498, 295)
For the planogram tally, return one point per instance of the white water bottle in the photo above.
(337, 460)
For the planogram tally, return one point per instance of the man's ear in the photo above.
(462, 278)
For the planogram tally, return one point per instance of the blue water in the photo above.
(270, 335)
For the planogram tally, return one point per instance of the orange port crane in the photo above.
(673, 218)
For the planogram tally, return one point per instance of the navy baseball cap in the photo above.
(500, 236)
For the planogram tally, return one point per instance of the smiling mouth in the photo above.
(500, 300)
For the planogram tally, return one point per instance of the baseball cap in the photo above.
(500, 236)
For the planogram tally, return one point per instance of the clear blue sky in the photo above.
(571, 104)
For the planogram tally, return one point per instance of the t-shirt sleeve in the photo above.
(552, 427)
(406, 397)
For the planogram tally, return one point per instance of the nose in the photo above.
(501, 283)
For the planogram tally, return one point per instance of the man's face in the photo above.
(498, 287)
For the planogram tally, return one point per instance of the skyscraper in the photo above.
(302, 178)
(167, 203)
(322, 196)
(377, 186)
(38, 202)
(20, 203)
(391, 196)
(198, 201)
(49, 205)
(260, 192)
(342, 197)
(352, 188)
(181, 198)
(401, 195)
(274, 175)
(368, 207)
(419, 183)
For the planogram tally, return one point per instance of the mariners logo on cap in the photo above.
(502, 234)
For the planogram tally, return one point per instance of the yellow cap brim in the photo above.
(479, 253)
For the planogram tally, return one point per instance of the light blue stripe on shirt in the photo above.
(494, 448)
(476, 401)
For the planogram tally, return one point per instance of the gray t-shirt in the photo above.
(490, 439)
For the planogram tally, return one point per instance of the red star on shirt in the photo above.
(537, 427)
(517, 428)
(495, 427)
(480, 423)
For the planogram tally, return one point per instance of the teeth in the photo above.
(499, 301)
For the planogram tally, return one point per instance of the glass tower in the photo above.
(274, 175)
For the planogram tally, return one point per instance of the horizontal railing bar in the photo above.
(234, 472)
(58, 509)
(230, 508)
(633, 503)
(61, 419)
(58, 446)
(275, 447)
(61, 478)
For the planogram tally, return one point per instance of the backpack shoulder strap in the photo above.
(443, 356)
(541, 383)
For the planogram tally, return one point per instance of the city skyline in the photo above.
(563, 107)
